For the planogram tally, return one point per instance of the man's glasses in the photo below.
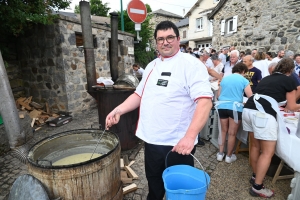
(169, 39)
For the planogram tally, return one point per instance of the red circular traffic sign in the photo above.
(137, 11)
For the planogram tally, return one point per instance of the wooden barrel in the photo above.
(98, 178)
(107, 100)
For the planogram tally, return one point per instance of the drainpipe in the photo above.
(8, 110)
(114, 46)
(88, 45)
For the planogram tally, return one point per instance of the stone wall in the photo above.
(156, 19)
(53, 67)
(269, 25)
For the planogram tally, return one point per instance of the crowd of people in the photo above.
(175, 98)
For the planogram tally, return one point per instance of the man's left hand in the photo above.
(184, 146)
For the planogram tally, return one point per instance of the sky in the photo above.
(174, 6)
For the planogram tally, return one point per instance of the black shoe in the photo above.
(200, 143)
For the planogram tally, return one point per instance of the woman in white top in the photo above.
(262, 64)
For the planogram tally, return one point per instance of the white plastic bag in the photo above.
(105, 80)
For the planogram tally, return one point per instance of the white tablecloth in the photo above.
(288, 147)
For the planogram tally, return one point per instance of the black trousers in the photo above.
(155, 157)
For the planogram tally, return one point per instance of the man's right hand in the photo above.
(112, 118)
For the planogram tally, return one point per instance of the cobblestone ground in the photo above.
(228, 181)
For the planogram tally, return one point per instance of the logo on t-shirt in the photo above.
(161, 82)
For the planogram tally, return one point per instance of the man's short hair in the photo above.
(296, 55)
(135, 65)
(165, 25)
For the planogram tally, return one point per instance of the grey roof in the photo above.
(165, 13)
(216, 9)
(184, 22)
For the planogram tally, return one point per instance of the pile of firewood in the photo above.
(127, 175)
(38, 113)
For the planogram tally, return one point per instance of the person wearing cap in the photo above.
(174, 98)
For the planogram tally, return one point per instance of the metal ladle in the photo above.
(98, 143)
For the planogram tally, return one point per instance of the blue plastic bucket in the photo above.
(184, 182)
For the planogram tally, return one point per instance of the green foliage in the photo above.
(142, 57)
(17, 15)
(97, 8)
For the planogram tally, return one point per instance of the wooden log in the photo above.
(131, 173)
(34, 114)
(122, 163)
(131, 163)
(129, 188)
(28, 100)
(25, 105)
(126, 180)
(38, 128)
(21, 116)
(32, 122)
(126, 161)
(124, 174)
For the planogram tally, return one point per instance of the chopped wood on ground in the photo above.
(130, 188)
(40, 114)
(127, 176)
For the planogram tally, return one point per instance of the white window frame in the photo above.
(225, 25)
(200, 19)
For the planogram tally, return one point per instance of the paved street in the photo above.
(228, 181)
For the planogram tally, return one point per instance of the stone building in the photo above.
(51, 59)
(183, 27)
(269, 25)
(159, 16)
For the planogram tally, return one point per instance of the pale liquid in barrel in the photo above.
(77, 158)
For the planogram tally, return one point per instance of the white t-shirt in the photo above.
(218, 69)
(140, 72)
(168, 92)
(276, 59)
(222, 57)
(227, 69)
(263, 66)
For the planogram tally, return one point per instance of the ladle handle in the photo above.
(98, 143)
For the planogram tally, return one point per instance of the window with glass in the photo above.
(199, 23)
(184, 34)
(230, 27)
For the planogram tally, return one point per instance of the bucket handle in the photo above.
(195, 159)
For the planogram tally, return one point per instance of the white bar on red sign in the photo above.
(137, 11)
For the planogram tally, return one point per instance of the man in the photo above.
(234, 57)
(209, 65)
(254, 74)
(232, 48)
(137, 71)
(223, 55)
(174, 98)
(242, 55)
(280, 55)
(253, 53)
(297, 64)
